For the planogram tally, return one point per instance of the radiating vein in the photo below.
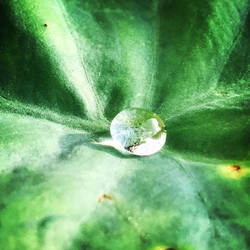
(59, 43)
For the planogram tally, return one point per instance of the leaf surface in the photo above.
(61, 85)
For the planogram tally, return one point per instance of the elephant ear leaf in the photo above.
(67, 68)
(195, 45)
(204, 60)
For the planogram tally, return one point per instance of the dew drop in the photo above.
(138, 131)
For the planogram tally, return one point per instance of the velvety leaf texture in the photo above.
(67, 67)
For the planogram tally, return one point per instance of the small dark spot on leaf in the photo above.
(84, 246)
(2, 206)
(45, 221)
(235, 167)
(144, 238)
(17, 170)
(45, 25)
(104, 196)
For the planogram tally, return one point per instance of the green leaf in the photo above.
(62, 84)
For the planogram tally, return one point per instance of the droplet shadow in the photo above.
(68, 143)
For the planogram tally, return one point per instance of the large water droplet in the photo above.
(138, 131)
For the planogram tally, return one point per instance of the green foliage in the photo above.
(60, 87)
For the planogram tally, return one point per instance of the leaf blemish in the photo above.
(234, 171)
(104, 196)
(235, 167)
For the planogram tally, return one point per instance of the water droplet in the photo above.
(138, 131)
